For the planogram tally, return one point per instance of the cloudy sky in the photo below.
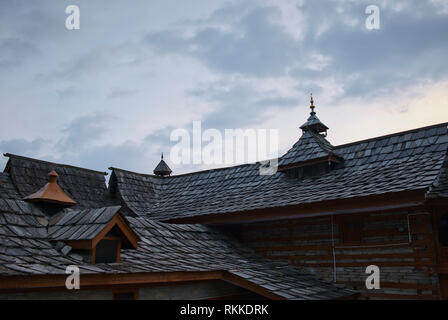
(111, 93)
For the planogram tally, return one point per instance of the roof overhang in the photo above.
(10, 284)
(329, 158)
(397, 200)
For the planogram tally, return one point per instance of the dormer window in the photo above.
(98, 235)
(107, 250)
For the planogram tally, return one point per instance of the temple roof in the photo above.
(404, 161)
(27, 247)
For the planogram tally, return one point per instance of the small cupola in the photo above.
(312, 154)
(162, 168)
(51, 193)
(313, 124)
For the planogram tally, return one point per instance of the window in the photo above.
(351, 230)
(443, 230)
(108, 250)
(309, 171)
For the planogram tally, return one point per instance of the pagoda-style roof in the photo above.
(313, 123)
(162, 168)
(311, 148)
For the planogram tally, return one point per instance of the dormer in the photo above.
(312, 155)
(98, 235)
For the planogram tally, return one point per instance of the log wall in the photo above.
(401, 244)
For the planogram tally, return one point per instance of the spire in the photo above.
(313, 124)
(162, 168)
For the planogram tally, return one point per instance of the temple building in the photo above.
(309, 231)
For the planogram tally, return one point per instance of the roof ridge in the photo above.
(187, 173)
(391, 135)
(133, 172)
(10, 155)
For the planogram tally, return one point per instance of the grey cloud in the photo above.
(82, 132)
(255, 45)
(14, 52)
(24, 147)
(278, 102)
(410, 46)
(120, 93)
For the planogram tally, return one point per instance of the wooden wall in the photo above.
(401, 244)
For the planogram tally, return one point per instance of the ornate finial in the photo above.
(312, 104)
(52, 176)
(162, 155)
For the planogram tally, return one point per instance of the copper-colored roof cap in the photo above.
(51, 192)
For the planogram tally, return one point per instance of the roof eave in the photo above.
(330, 158)
(401, 199)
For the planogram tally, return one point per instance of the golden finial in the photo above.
(312, 104)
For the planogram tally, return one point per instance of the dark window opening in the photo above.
(443, 230)
(106, 251)
(114, 232)
(309, 171)
(50, 208)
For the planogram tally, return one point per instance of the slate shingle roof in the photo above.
(408, 160)
(86, 187)
(7, 188)
(403, 161)
(313, 123)
(162, 169)
(26, 249)
(82, 224)
(440, 186)
(138, 192)
(311, 146)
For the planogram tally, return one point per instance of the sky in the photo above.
(112, 92)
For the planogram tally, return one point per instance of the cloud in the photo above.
(255, 45)
(14, 52)
(120, 93)
(82, 133)
(114, 90)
